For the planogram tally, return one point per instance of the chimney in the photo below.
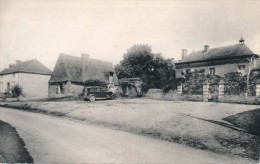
(11, 65)
(241, 40)
(206, 49)
(183, 53)
(18, 61)
(84, 58)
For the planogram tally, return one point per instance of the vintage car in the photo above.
(93, 93)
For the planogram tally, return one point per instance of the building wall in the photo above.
(69, 89)
(220, 70)
(11, 78)
(34, 85)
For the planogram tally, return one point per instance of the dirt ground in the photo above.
(196, 124)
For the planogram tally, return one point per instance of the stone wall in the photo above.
(69, 89)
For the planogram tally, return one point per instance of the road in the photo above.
(52, 139)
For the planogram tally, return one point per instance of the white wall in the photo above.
(34, 85)
(11, 78)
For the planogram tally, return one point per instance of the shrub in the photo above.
(17, 90)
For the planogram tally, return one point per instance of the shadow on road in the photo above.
(12, 148)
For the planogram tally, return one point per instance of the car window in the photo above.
(95, 90)
(103, 89)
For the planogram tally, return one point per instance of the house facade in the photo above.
(218, 61)
(71, 72)
(31, 75)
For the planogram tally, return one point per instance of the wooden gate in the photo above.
(213, 92)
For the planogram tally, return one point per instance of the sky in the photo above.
(42, 29)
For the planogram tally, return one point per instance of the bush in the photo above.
(17, 91)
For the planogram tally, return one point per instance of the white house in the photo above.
(31, 75)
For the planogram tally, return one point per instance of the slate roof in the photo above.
(233, 51)
(69, 68)
(31, 66)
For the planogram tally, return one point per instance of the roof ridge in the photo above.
(28, 66)
(233, 45)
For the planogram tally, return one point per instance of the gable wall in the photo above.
(34, 85)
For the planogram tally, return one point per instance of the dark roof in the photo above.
(30, 66)
(69, 68)
(233, 51)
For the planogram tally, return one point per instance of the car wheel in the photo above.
(92, 98)
(113, 97)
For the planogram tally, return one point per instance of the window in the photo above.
(241, 67)
(212, 71)
(95, 90)
(8, 87)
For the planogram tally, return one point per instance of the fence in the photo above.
(212, 92)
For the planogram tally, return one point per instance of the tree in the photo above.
(153, 69)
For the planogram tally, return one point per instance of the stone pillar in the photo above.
(257, 92)
(179, 89)
(221, 87)
(206, 91)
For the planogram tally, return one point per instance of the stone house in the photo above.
(31, 75)
(71, 72)
(218, 61)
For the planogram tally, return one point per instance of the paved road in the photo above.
(51, 139)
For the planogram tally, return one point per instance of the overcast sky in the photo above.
(43, 29)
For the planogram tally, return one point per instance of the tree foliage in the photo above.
(235, 83)
(193, 82)
(153, 69)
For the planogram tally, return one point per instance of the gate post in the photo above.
(205, 91)
(179, 89)
(257, 87)
(221, 87)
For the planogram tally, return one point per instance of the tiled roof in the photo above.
(30, 66)
(226, 52)
(70, 68)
